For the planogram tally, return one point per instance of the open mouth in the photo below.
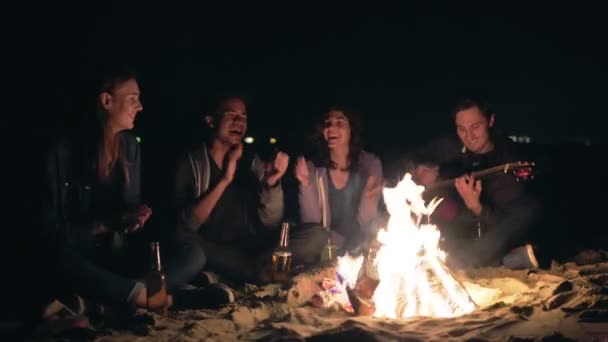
(235, 132)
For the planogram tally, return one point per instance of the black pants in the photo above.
(511, 230)
(243, 260)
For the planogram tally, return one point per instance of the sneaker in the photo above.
(205, 279)
(211, 297)
(520, 258)
(221, 293)
(67, 305)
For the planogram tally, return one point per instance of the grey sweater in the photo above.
(314, 201)
(192, 182)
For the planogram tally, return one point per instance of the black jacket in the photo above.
(498, 191)
(71, 175)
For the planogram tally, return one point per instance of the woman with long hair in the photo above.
(94, 214)
(341, 189)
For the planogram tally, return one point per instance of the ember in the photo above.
(407, 275)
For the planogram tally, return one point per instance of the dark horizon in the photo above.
(541, 68)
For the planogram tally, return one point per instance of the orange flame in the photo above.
(414, 280)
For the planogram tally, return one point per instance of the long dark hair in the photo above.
(355, 145)
(102, 140)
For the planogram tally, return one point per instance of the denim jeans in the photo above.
(242, 261)
(111, 277)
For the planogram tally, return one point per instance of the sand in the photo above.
(565, 302)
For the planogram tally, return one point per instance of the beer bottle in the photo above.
(480, 230)
(281, 258)
(328, 254)
(156, 284)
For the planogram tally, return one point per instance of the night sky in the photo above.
(542, 67)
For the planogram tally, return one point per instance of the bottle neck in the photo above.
(284, 240)
(155, 257)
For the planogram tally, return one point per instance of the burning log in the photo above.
(361, 296)
(361, 306)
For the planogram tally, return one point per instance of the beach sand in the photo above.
(565, 302)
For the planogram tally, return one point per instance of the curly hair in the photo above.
(355, 145)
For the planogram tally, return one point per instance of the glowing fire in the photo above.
(413, 278)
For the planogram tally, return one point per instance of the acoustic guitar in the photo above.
(521, 170)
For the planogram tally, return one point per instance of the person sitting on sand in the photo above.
(499, 208)
(94, 219)
(234, 200)
(341, 189)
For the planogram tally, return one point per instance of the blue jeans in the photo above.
(112, 277)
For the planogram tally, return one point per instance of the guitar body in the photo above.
(452, 205)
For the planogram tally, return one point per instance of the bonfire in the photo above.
(411, 278)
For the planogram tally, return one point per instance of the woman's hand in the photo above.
(136, 219)
(301, 171)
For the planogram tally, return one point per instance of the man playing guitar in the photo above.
(481, 220)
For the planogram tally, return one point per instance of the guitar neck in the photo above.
(475, 175)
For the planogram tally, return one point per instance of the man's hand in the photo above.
(230, 161)
(276, 169)
(470, 190)
(301, 171)
(426, 175)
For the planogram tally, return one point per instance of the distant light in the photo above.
(138, 139)
(248, 140)
(273, 140)
(521, 139)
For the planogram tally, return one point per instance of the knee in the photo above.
(316, 235)
(200, 256)
(194, 254)
(310, 240)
